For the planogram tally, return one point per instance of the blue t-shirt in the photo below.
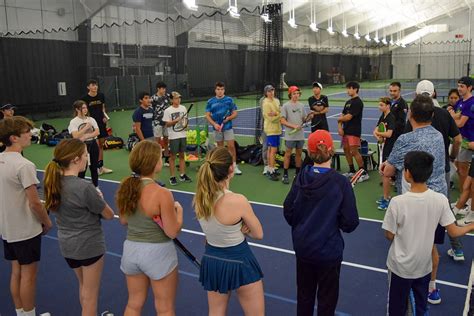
(466, 107)
(145, 117)
(220, 108)
(426, 139)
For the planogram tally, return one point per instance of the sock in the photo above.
(297, 170)
(432, 286)
(30, 313)
(182, 175)
(235, 164)
(352, 169)
(285, 172)
(19, 311)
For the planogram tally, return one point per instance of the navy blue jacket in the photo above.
(318, 207)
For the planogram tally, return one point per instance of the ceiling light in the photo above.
(313, 27)
(190, 4)
(367, 38)
(344, 33)
(330, 30)
(384, 41)
(266, 18)
(357, 36)
(292, 23)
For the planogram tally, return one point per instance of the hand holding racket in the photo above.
(381, 128)
(227, 114)
(183, 121)
(179, 245)
(305, 123)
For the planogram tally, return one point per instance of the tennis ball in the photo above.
(242, 162)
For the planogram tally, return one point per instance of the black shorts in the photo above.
(471, 169)
(439, 235)
(102, 129)
(74, 264)
(25, 251)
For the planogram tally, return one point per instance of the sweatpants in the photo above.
(399, 291)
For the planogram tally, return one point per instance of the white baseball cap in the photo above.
(425, 87)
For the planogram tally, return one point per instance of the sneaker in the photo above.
(167, 161)
(105, 170)
(466, 220)
(363, 177)
(237, 170)
(379, 201)
(173, 181)
(265, 170)
(285, 179)
(272, 176)
(185, 178)
(348, 174)
(384, 205)
(433, 297)
(457, 255)
(462, 211)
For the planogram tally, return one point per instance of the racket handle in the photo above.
(157, 220)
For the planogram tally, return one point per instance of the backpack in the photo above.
(132, 141)
(46, 132)
(248, 153)
(113, 142)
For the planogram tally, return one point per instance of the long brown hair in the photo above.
(77, 105)
(65, 152)
(142, 161)
(214, 170)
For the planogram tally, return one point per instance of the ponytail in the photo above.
(52, 186)
(128, 196)
(214, 170)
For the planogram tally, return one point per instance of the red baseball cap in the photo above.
(319, 137)
(292, 89)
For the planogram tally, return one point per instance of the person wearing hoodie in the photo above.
(320, 204)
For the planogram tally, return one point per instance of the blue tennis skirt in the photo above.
(227, 269)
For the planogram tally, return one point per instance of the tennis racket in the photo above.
(356, 177)
(182, 124)
(305, 123)
(179, 245)
(227, 114)
(83, 125)
(382, 129)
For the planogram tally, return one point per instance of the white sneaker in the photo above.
(363, 177)
(106, 170)
(466, 220)
(265, 170)
(237, 170)
(45, 314)
(462, 211)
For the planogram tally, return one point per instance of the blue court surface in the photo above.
(363, 281)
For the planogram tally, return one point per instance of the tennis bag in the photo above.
(46, 132)
(113, 142)
(55, 139)
(132, 141)
(249, 154)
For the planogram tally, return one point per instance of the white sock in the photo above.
(30, 313)
(235, 164)
(19, 311)
(432, 286)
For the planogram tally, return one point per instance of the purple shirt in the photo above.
(467, 131)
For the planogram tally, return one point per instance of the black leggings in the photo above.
(93, 150)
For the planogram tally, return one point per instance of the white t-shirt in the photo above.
(77, 122)
(413, 218)
(17, 221)
(171, 114)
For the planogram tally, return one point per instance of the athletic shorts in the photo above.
(74, 264)
(273, 141)
(471, 169)
(155, 260)
(160, 131)
(439, 235)
(298, 144)
(102, 129)
(178, 145)
(465, 155)
(351, 140)
(224, 136)
(25, 251)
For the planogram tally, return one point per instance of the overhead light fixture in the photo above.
(313, 26)
(384, 41)
(344, 25)
(376, 38)
(344, 33)
(356, 34)
(367, 37)
(190, 4)
(291, 19)
(266, 18)
(391, 40)
(330, 29)
(233, 9)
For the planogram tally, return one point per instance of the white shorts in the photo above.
(160, 131)
(155, 260)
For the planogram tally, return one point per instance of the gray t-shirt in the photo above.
(78, 219)
(294, 113)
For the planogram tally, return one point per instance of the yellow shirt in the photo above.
(271, 124)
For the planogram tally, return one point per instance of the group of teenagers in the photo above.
(316, 211)
(158, 118)
(293, 117)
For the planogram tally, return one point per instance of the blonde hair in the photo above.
(214, 170)
(65, 152)
(142, 161)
